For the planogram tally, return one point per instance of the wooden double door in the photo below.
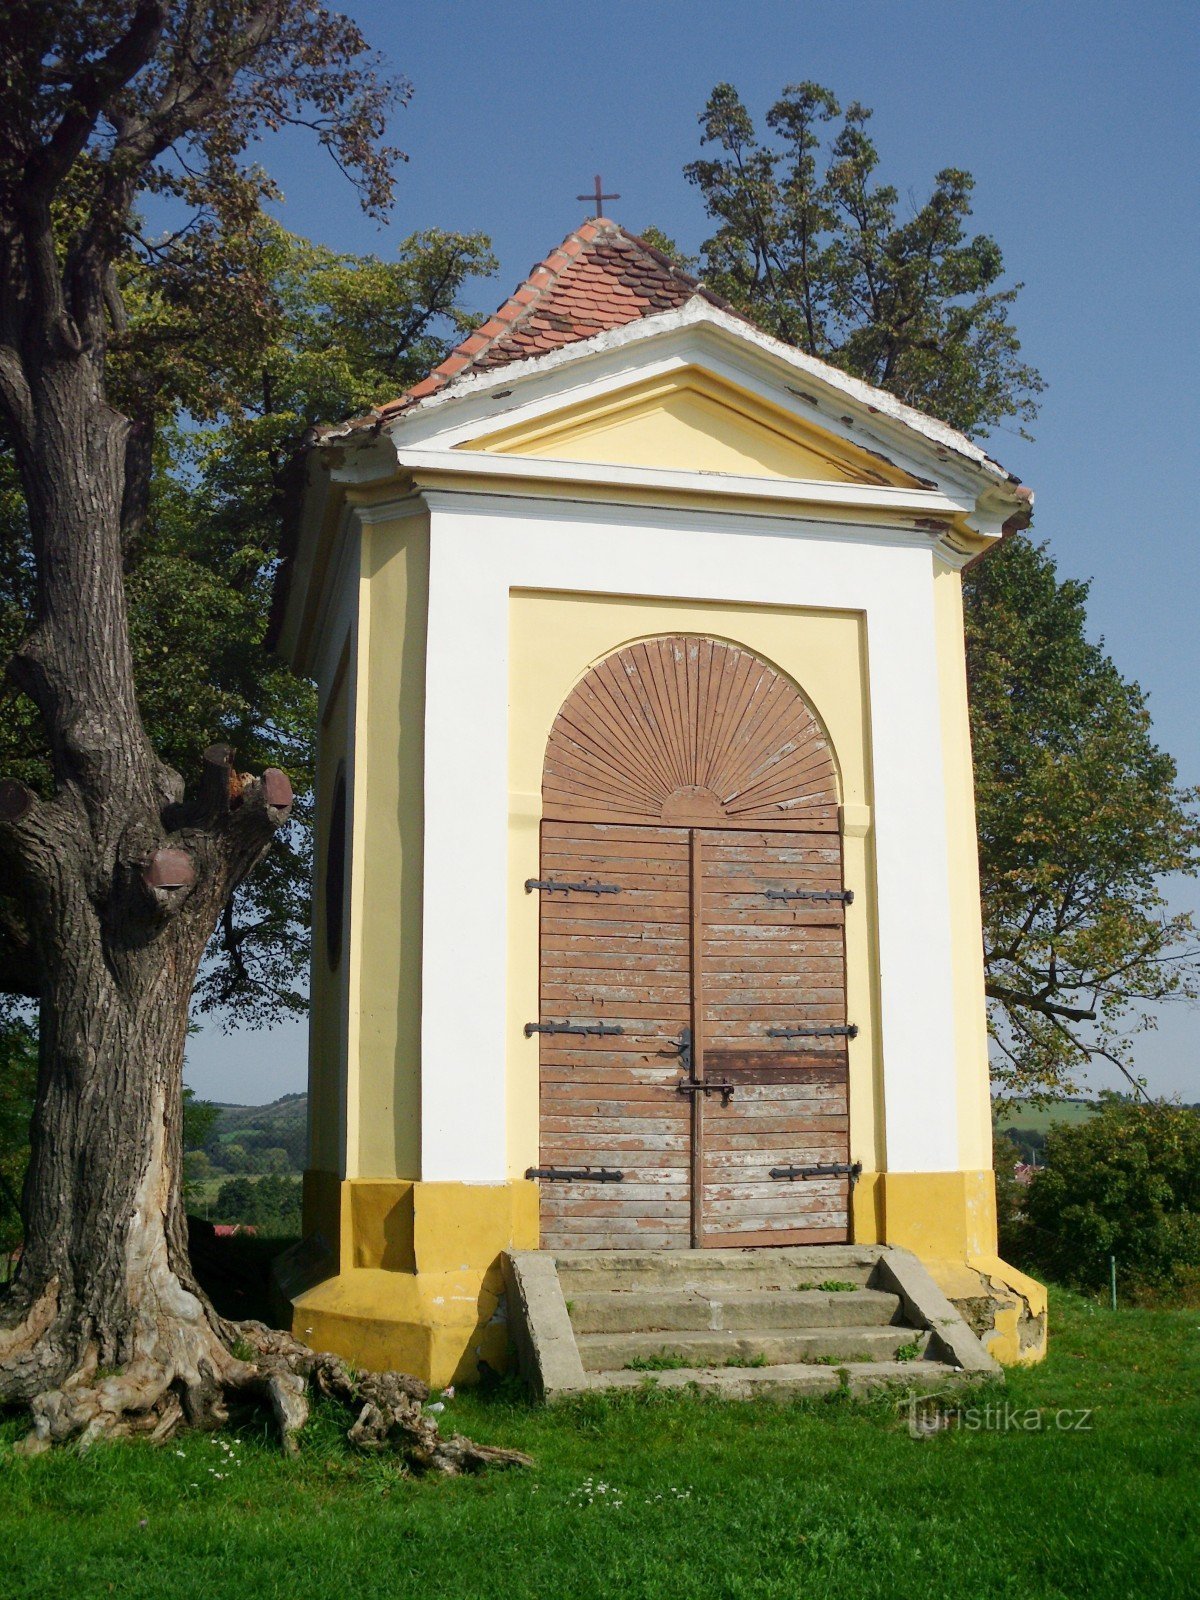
(693, 1036)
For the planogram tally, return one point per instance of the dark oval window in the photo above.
(335, 870)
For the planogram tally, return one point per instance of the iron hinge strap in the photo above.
(849, 1032)
(576, 1174)
(830, 1169)
(844, 896)
(572, 1027)
(558, 886)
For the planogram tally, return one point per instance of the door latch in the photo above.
(695, 1086)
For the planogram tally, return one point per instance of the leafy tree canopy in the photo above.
(335, 334)
(199, 1118)
(1125, 1183)
(1081, 815)
(812, 244)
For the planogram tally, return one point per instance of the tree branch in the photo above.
(50, 163)
(14, 392)
(1039, 1003)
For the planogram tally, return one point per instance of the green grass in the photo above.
(658, 1361)
(830, 1286)
(652, 1495)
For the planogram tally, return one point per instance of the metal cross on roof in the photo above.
(598, 196)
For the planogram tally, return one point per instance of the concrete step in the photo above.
(610, 1352)
(795, 1381)
(792, 1268)
(617, 1309)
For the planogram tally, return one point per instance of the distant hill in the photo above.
(282, 1125)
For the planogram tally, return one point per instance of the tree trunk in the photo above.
(104, 1278)
(120, 882)
(104, 1328)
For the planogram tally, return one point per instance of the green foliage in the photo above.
(270, 1203)
(1080, 817)
(657, 1361)
(18, 1080)
(1010, 1196)
(1080, 813)
(228, 398)
(1125, 1183)
(244, 1135)
(199, 1119)
(813, 246)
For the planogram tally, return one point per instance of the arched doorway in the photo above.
(692, 1016)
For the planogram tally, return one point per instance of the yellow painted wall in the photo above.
(553, 640)
(327, 1025)
(386, 1001)
(971, 1044)
(692, 422)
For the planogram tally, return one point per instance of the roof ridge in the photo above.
(658, 284)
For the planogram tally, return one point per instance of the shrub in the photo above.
(1126, 1183)
(18, 1075)
(1010, 1199)
(271, 1203)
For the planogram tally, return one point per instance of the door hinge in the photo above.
(845, 896)
(557, 886)
(848, 1032)
(576, 1174)
(572, 1027)
(828, 1169)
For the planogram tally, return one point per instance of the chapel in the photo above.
(646, 912)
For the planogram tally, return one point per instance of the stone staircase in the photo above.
(801, 1320)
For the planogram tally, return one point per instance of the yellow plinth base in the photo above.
(396, 1274)
(948, 1219)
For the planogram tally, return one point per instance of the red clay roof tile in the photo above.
(599, 278)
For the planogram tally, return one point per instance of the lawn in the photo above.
(665, 1496)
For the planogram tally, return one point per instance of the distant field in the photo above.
(202, 1192)
(1041, 1120)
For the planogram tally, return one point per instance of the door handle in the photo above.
(683, 1049)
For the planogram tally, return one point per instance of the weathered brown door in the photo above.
(692, 1013)
(769, 982)
(652, 1136)
(618, 956)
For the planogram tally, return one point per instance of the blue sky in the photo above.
(1078, 122)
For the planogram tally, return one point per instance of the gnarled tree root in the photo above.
(157, 1399)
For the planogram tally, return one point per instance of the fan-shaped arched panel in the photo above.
(689, 731)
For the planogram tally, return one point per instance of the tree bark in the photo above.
(120, 882)
(104, 1327)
